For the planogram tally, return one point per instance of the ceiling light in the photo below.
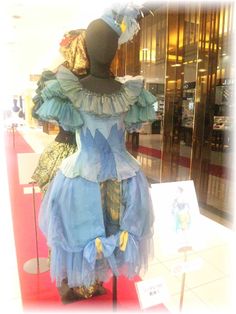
(202, 70)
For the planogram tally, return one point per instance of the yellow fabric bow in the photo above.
(123, 240)
(123, 26)
(98, 244)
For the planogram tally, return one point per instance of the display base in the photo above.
(34, 266)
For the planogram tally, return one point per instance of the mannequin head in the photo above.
(102, 43)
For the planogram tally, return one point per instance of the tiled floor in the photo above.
(208, 288)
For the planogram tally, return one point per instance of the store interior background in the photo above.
(185, 54)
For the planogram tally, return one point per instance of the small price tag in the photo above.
(151, 292)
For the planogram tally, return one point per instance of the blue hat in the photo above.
(122, 19)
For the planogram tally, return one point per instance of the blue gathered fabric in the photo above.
(65, 97)
(71, 218)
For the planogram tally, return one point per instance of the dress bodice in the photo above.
(102, 153)
(100, 121)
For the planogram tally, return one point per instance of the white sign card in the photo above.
(152, 292)
(177, 216)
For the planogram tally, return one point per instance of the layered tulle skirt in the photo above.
(96, 229)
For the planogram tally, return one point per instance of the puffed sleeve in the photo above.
(142, 110)
(58, 107)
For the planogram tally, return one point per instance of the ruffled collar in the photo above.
(101, 104)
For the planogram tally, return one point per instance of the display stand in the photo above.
(185, 251)
(26, 165)
(13, 127)
(114, 293)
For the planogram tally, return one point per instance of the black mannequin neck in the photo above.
(100, 70)
(101, 85)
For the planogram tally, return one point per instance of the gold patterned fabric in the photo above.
(69, 295)
(88, 292)
(111, 203)
(73, 48)
(49, 162)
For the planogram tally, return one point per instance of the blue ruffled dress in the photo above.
(85, 245)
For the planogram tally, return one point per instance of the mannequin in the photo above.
(100, 80)
(97, 212)
(101, 42)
